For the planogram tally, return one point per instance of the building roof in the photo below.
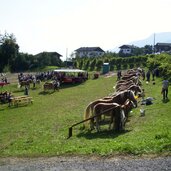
(163, 44)
(50, 53)
(85, 49)
(127, 46)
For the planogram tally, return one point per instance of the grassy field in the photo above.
(41, 128)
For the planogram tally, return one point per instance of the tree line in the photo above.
(11, 60)
(115, 63)
(162, 62)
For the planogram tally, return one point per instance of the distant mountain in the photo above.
(164, 37)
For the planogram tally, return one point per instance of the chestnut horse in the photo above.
(118, 114)
(108, 109)
(136, 89)
(119, 98)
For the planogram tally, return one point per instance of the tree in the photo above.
(8, 50)
(148, 49)
(93, 64)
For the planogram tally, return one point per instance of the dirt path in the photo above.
(86, 164)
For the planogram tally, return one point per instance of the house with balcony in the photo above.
(89, 52)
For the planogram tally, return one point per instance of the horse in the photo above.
(123, 84)
(133, 87)
(135, 79)
(25, 83)
(118, 114)
(119, 98)
(48, 86)
(108, 109)
(137, 71)
(127, 107)
(128, 76)
(52, 85)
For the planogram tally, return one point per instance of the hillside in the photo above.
(164, 37)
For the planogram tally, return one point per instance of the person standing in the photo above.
(148, 75)
(165, 85)
(153, 74)
(34, 82)
(119, 75)
(26, 91)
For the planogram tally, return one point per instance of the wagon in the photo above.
(3, 83)
(71, 75)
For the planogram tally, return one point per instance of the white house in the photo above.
(89, 52)
(126, 49)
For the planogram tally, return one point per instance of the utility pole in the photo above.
(154, 43)
(66, 56)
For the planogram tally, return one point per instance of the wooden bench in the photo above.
(21, 100)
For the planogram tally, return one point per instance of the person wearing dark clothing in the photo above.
(148, 75)
(9, 99)
(165, 85)
(119, 75)
(26, 90)
(143, 75)
(153, 74)
(157, 72)
(56, 84)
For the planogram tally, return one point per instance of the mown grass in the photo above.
(41, 128)
(43, 69)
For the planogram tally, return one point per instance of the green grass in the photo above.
(44, 69)
(41, 128)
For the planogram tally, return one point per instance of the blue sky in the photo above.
(57, 25)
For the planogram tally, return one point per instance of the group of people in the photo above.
(5, 97)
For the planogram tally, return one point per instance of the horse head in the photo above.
(131, 96)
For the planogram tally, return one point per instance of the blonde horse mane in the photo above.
(88, 112)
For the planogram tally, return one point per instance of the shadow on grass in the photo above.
(2, 108)
(165, 100)
(19, 106)
(18, 91)
(47, 92)
(70, 85)
(101, 134)
(63, 86)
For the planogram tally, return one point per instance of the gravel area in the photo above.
(86, 164)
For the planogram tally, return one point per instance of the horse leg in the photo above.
(117, 119)
(91, 124)
(111, 120)
(97, 124)
(110, 123)
(123, 120)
